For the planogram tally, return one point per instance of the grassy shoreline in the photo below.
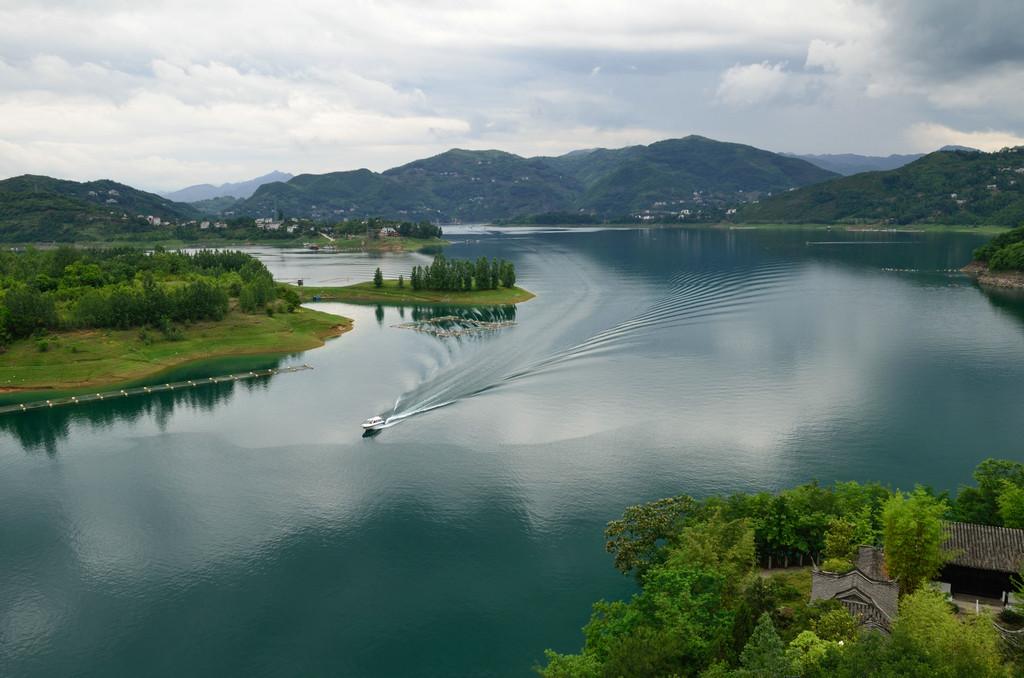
(94, 359)
(391, 293)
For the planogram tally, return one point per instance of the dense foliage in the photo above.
(583, 186)
(1005, 252)
(37, 208)
(945, 187)
(463, 275)
(68, 288)
(704, 610)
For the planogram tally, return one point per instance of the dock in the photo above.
(146, 390)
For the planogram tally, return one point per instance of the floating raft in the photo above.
(146, 390)
(454, 326)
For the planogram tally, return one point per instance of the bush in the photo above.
(1010, 615)
(169, 330)
(42, 346)
(1009, 258)
(290, 298)
(837, 565)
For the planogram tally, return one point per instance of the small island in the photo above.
(80, 319)
(450, 282)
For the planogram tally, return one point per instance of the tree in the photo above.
(764, 655)
(809, 655)
(634, 539)
(927, 632)
(28, 310)
(837, 624)
(401, 280)
(1011, 505)
(913, 535)
(378, 278)
(846, 533)
(508, 274)
(981, 504)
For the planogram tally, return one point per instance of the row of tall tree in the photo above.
(463, 274)
(704, 610)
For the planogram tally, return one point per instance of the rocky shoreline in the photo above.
(1005, 279)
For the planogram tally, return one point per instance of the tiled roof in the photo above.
(986, 547)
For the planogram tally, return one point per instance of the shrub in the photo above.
(837, 565)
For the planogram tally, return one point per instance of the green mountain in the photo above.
(655, 181)
(945, 187)
(689, 179)
(677, 171)
(42, 208)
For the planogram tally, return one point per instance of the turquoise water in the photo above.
(249, 529)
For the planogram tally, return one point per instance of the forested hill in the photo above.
(946, 187)
(657, 181)
(42, 208)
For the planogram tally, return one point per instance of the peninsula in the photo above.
(74, 320)
(1000, 262)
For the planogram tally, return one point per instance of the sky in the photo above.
(166, 94)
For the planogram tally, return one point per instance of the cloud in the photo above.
(168, 94)
(755, 84)
(930, 136)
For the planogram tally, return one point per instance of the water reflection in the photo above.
(1010, 302)
(45, 428)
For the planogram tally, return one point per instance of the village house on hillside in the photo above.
(866, 591)
(986, 561)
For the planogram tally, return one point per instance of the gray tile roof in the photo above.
(866, 591)
(986, 547)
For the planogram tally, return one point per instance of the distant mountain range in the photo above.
(241, 189)
(684, 180)
(656, 181)
(951, 187)
(850, 163)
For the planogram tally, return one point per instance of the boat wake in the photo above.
(531, 348)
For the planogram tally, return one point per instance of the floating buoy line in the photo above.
(145, 390)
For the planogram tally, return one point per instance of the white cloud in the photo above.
(753, 84)
(167, 94)
(930, 136)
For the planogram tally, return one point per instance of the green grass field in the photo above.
(391, 293)
(101, 358)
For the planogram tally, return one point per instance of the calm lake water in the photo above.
(248, 529)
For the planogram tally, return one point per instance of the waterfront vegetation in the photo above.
(79, 318)
(705, 609)
(458, 282)
(390, 293)
(1005, 252)
(463, 275)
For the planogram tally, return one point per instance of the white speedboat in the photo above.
(373, 424)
